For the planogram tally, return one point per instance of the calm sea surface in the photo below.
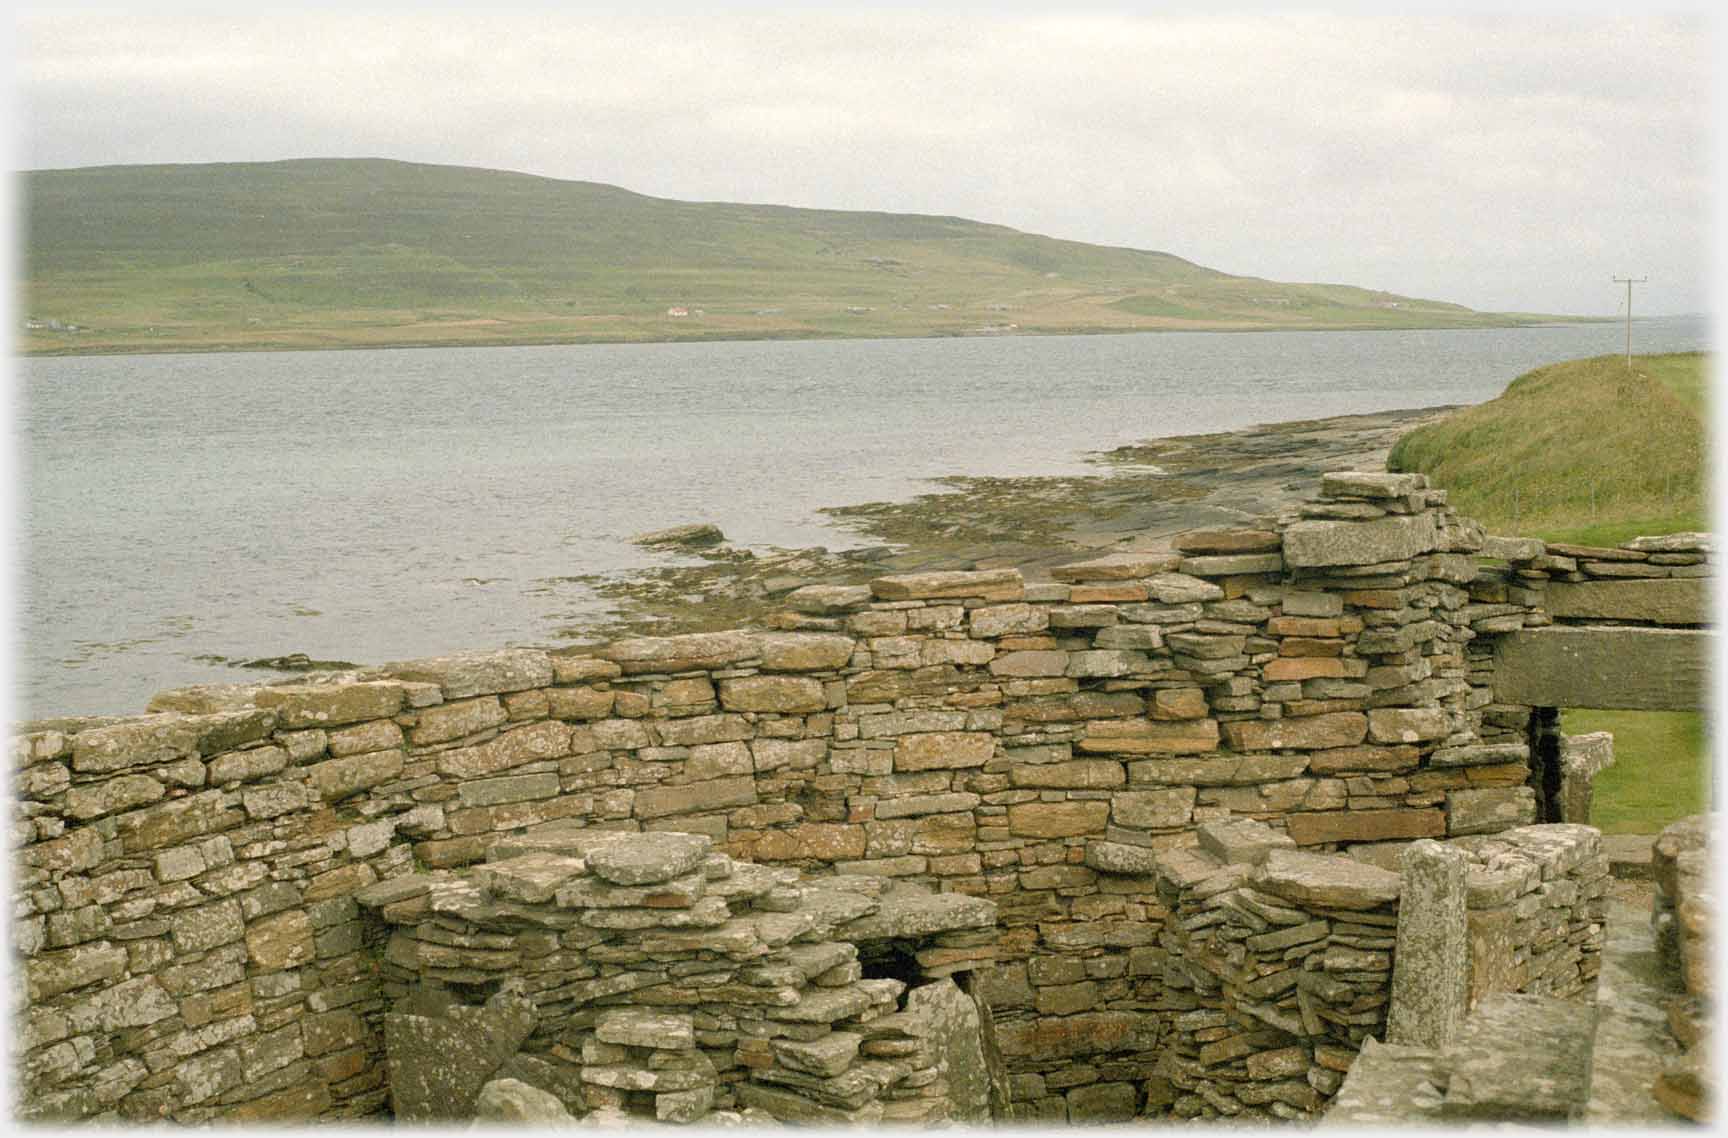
(378, 505)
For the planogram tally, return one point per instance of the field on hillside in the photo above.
(369, 253)
(1591, 453)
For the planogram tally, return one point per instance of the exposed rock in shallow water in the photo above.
(696, 534)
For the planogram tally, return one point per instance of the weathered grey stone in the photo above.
(828, 598)
(547, 739)
(804, 651)
(1320, 879)
(1522, 1058)
(1480, 754)
(825, 1056)
(1582, 758)
(1108, 662)
(113, 795)
(693, 535)
(684, 653)
(1639, 669)
(635, 1027)
(1233, 565)
(147, 740)
(277, 799)
(511, 788)
(648, 859)
(1658, 601)
(49, 974)
(1486, 810)
(1116, 567)
(907, 912)
(788, 1106)
(178, 820)
(1120, 858)
(986, 584)
(1307, 732)
(1370, 484)
(531, 879)
(251, 765)
(1241, 841)
(1513, 548)
(464, 674)
(1431, 966)
(711, 794)
(1153, 809)
(794, 695)
(1407, 724)
(335, 779)
(1389, 1086)
(511, 1100)
(953, 1035)
(1313, 544)
(438, 1064)
(454, 720)
(1673, 543)
(330, 705)
(208, 926)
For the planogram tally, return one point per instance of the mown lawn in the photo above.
(1661, 770)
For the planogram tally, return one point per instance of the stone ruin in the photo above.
(1148, 821)
(643, 975)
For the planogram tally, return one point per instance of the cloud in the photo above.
(1504, 162)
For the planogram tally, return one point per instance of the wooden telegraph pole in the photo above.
(1629, 282)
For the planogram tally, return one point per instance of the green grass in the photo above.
(1660, 771)
(1578, 451)
(1589, 453)
(363, 252)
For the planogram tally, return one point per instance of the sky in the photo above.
(1509, 163)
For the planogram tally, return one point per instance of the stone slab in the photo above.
(1633, 669)
(1522, 1058)
(1314, 544)
(1676, 601)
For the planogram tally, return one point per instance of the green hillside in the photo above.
(357, 252)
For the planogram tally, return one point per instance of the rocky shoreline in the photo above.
(1142, 495)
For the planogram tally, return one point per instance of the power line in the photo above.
(1629, 282)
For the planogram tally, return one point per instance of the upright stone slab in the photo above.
(438, 1064)
(1582, 758)
(956, 1047)
(1431, 967)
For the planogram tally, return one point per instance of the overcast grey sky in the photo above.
(1505, 163)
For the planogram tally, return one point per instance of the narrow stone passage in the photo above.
(1633, 1042)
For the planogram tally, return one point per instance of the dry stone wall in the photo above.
(656, 979)
(185, 906)
(1279, 962)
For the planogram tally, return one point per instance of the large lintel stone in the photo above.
(1636, 669)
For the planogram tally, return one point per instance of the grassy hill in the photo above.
(1590, 452)
(1583, 451)
(370, 252)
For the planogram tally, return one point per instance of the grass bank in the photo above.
(1590, 452)
(1584, 451)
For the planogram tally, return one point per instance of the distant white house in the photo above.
(676, 310)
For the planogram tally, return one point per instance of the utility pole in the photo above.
(1629, 282)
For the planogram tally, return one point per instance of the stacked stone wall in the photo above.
(1279, 962)
(1042, 745)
